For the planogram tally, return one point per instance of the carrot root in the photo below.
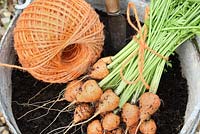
(57, 117)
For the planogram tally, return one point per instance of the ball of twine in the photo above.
(57, 40)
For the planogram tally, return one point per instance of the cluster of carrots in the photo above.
(100, 109)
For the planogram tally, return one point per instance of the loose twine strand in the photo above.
(142, 46)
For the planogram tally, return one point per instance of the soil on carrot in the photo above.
(169, 118)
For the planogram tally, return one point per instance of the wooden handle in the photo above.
(112, 7)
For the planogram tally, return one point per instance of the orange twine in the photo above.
(142, 46)
(57, 40)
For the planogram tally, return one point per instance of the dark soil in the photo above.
(169, 118)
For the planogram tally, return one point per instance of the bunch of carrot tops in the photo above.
(108, 95)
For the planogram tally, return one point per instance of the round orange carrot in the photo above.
(99, 70)
(95, 127)
(118, 131)
(130, 114)
(82, 112)
(149, 103)
(108, 102)
(72, 90)
(110, 121)
(132, 129)
(148, 127)
(115, 131)
(90, 92)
